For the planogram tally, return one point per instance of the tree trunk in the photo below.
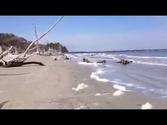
(16, 64)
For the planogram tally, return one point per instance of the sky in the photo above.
(93, 33)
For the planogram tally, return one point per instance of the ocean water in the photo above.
(147, 73)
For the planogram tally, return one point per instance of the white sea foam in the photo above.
(146, 106)
(118, 81)
(121, 88)
(98, 94)
(88, 64)
(94, 75)
(101, 94)
(118, 93)
(71, 56)
(109, 56)
(143, 57)
(100, 71)
(80, 86)
(116, 58)
(150, 63)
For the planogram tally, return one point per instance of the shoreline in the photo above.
(50, 87)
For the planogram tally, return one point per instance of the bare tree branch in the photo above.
(42, 36)
(6, 52)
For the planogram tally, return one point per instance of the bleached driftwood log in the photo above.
(20, 63)
(51, 28)
(6, 52)
(20, 59)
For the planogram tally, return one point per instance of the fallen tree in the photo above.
(3, 54)
(20, 59)
(20, 63)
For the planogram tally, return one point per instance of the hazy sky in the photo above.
(90, 33)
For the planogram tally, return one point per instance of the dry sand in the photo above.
(50, 87)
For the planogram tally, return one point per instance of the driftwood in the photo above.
(36, 35)
(21, 63)
(5, 53)
(124, 62)
(101, 61)
(20, 59)
(41, 36)
(86, 60)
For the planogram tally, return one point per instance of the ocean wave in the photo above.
(94, 75)
(88, 64)
(71, 56)
(121, 88)
(143, 57)
(119, 82)
(107, 56)
(149, 63)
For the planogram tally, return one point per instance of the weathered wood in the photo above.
(20, 59)
(6, 52)
(51, 28)
(21, 63)
(124, 62)
(101, 61)
(36, 35)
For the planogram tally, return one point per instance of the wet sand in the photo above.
(50, 87)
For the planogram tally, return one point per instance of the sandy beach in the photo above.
(54, 86)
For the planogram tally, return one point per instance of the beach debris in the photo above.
(118, 93)
(80, 86)
(20, 59)
(119, 87)
(86, 60)
(51, 28)
(101, 61)
(61, 57)
(66, 57)
(147, 105)
(124, 61)
(3, 54)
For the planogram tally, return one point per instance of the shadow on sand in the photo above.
(13, 74)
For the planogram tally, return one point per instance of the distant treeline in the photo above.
(20, 43)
